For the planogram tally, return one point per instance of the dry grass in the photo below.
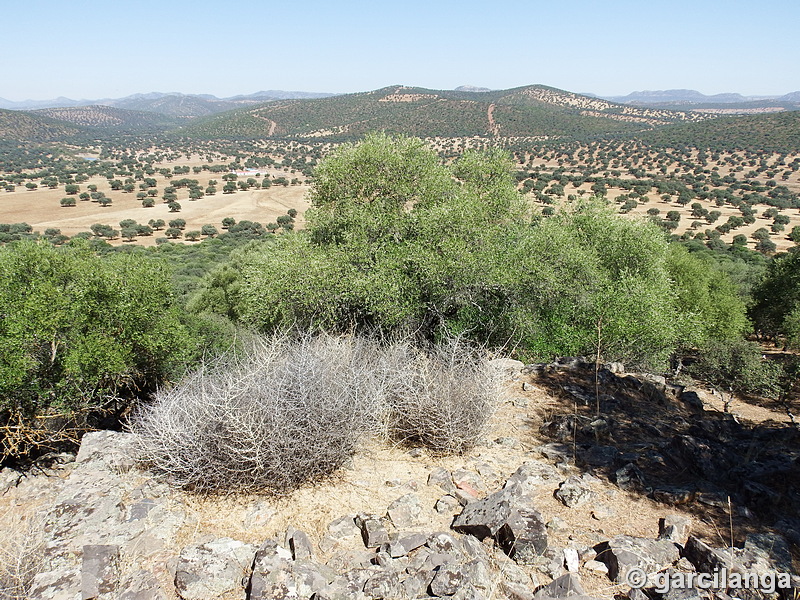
(20, 554)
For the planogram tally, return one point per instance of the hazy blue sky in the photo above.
(95, 49)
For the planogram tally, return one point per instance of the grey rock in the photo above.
(571, 560)
(99, 572)
(507, 366)
(213, 569)
(562, 587)
(468, 592)
(531, 475)
(595, 566)
(384, 584)
(447, 504)
(56, 585)
(404, 545)
(523, 536)
(373, 533)
(602, 512)
(484, 518)
(447, 579)
(674, 528)
(630, 478)
(623, 553)
(773, 547)
(692, 399)
(112, 450)
(574, 492)
(442, 477)
(406, 511)
(301, 546)
(142, 585)
(343, 527)
(515, 591)
(443, 543)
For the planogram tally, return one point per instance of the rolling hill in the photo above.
(16, 125)
(773, 132)
(111, 119)
(530, 111)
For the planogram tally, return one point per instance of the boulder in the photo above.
(624, 553)
(574, 492)
(212, 569)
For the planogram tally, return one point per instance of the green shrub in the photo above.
(79, 329)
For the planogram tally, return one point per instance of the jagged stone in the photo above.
(212, 569)
(406, 511)
(561, 587)
(674, 528)
(56, 585)
(507, 366)
(301, 546)
(442, 477)
(114, 450)
(630, 478)
(623, 553)
(447, 579)
(447, 504)
(385, 584)
(469, 481)
(343, 527)
(531, 475)
(574, 492)
(404, 545)
(773, 547)
(484, 518)
(595, 566)
(523, 536)
(571, 560)
(99, 572)
(373, 533)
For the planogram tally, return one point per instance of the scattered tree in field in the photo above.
(174, 206)
(68, 202)
(228, 222)
(157, 224)
(72, 189)
(178, 223)
(148, 202)
(129, 234)
(192, 236)
(173, 233)
(209, 230)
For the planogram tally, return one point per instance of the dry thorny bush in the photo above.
(296, 408)
(20, 555)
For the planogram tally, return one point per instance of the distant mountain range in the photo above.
(171, 104)
(534, 112)
(662, 97)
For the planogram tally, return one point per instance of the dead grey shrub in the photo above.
(290, 411)
(296, 408)
(441, 399)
